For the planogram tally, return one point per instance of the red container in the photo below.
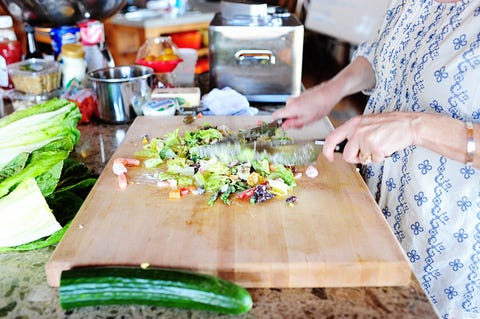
(187, 39)
(11, 51)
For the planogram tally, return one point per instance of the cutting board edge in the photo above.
(284, 276)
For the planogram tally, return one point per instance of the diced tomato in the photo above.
(246, 194)
(184, 190)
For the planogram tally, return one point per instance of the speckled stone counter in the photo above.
(24, 292)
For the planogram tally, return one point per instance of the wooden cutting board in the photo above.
(334, 236)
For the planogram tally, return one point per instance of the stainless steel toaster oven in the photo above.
(256, 52)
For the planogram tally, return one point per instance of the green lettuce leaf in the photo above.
(25, 215)
(39, 243)
(14, 166)
(39, 163)
(30, 129)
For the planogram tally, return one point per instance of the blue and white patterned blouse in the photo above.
(427, 59)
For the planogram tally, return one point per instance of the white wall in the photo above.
(353, 21)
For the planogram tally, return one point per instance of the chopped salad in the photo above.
(178, 167)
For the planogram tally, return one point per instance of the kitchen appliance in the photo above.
(256, 52)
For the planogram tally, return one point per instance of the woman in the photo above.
(419, 139)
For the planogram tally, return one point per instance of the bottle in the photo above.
(74, 65)
(32, 50)
(92, 36)
(10, 50)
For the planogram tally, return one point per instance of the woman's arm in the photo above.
(446, 136)
(318, 101)
(376, 136)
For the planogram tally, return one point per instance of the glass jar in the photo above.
(161, 54)
(74, 65)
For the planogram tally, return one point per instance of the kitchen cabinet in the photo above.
(125, 36)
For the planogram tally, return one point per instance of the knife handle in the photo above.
(338, 148)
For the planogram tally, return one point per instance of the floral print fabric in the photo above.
(427, 59)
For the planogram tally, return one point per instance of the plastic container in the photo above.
(10, 50)
(188, 39)
(21, 101)
(35, 76)
(160, 107)
(74, 65)
(184, 73)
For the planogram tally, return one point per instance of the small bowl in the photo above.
(160, 66)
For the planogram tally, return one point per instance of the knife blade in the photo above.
(280, 152)
(264, 130)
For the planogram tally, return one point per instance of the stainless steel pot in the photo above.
(121, 91)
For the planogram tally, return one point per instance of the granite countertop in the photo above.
(24, 292)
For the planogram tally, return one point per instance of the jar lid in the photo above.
(73, 50)
(6, 22)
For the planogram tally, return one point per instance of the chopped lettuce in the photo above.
(280, 171)
(262, 167)
(218, 176)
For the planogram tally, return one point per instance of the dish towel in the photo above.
(226, 101)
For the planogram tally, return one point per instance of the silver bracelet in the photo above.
(470, 143)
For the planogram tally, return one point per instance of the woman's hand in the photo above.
(373, 137)
(318, 101)
(309, 107)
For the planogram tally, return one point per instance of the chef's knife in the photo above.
(280, 152)
(264, 130)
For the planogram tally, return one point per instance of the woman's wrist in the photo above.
(444, 135)
(471, 146)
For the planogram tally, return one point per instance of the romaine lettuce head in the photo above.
(35, 127)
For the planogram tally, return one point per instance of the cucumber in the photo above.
(92, 286)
